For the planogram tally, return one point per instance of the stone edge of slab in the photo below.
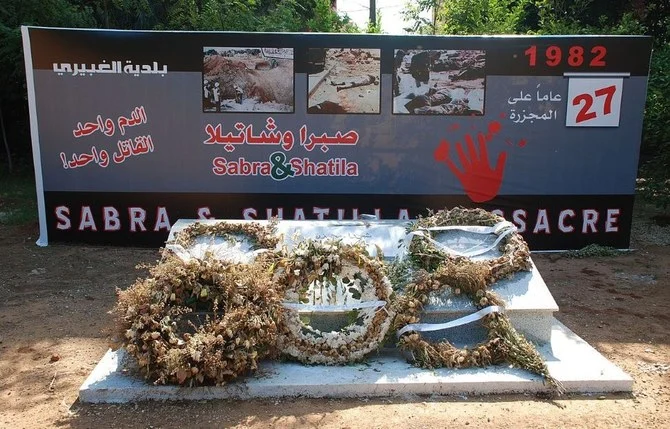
(570, 359)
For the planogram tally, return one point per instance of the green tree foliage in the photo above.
(325, 20)
(483, 17)
(587, 17)
(657, 131)
(183, 15)
(375, 28)
(217, 15)
(536, 16)
(471, 16)
(655, 16)
(654, 182)
(13, 14)
(415, 11)
(286, 16)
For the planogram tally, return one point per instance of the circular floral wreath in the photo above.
(262, 236)
(201, 321)
(435, 271)
(314, 263)
(462, 272)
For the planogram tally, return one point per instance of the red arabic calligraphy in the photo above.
(270, 136)
(126, 148)
(79, 160)
(108, 126)
(133, 147)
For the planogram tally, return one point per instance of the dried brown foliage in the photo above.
(207, 321)
(200, 322)
(261, 236)
(436, 271)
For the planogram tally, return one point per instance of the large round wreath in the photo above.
(434, 271)
(201, 321)
(303, 274)
(460, 270)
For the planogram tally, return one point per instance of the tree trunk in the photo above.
(4, 139)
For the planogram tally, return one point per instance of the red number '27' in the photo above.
(585, 112)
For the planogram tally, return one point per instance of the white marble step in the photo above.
(529, 305)
(579, 367)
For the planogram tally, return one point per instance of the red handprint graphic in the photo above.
(479, 181)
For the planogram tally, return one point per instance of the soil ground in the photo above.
(54, 326)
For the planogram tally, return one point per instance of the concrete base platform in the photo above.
(570, 360)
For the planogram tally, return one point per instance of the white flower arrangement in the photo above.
(330, 273)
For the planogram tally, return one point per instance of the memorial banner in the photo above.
(133, 130)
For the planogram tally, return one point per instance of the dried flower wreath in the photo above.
(200, 322)
(436, 271)
(262, 236)
(323, 272)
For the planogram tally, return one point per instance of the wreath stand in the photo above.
(529, 306)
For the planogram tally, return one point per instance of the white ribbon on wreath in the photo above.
(501, 229)
(326, 308)
(223, 251)
(430, 327)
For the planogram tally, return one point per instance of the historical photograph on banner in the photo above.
(439, 82)
(343, 80)
(247, 80)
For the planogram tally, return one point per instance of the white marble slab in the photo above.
(570, 360)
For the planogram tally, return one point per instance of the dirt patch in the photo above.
(54, 302)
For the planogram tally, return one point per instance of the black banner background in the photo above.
(232, 206)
